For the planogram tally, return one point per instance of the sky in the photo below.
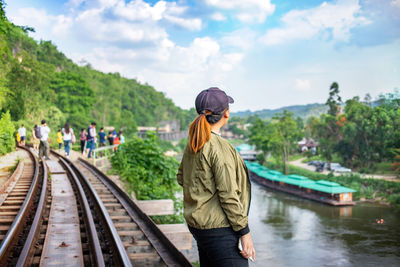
(264, 53)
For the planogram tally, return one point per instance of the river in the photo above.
(289, 231)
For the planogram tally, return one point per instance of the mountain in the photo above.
(303, 111)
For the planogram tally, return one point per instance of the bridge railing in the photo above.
(101, 153)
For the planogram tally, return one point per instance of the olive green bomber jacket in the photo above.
(216, 187)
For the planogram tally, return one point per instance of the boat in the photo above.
(322, 191)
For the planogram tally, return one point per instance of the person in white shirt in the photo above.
(68, 132)
(22, 134)
(91, 138)
(44, 140)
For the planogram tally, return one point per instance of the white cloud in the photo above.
(190, 24)
(303, 85)
(168, 67)
(246, 11)
(395, 3)
(332, 20)
(242, 39)
(218, 16)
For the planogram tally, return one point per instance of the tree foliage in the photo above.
(147, 171)
(7, 129)
(277, 137)
(37, 79)
(334, 99)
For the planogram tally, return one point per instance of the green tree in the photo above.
(73, 96)
(284, 135)
(334, 99)
(7, 129)
(259, 135)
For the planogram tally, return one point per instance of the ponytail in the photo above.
(199, 133)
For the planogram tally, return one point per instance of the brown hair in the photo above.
(199, 132)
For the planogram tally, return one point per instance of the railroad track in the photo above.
(17, 203)
(73, 213)
(142, 240)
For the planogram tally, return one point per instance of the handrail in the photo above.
(22, 214)
(94, 238)
(24, 259)
(104, 148)
(109, 223)
(156, 237)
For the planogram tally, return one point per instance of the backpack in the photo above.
(89, 136)
(37, 132)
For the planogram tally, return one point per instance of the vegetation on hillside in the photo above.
(7, 130)
(39, 82)
(302, 111)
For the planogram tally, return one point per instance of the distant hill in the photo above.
(303, 111)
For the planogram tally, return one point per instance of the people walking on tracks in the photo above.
(121, 137)
(110, 138)
(116, 142)
(35, 140)
(91, 138)
(44, 131)
(59, 139)
(68, 133)
(22, 135)
(216, 186)
(82, 138)
(102, 137)
(18, 138)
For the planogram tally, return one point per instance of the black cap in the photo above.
(213, 99)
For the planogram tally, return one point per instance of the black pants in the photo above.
(218, 247)
(83, 142)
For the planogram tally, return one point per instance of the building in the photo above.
(247, 152)
(308, 144)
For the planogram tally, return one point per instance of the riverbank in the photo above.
(299, 163)
(368, 189)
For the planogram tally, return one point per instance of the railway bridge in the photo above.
(69, 213)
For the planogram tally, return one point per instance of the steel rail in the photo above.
(88, 217)
(120, 249)
(164, 247)
(25, 257)
(17, 225)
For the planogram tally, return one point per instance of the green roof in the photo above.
(328, 187)
(301, 181)
(244, 147)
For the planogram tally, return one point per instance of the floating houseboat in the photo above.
(322, 191)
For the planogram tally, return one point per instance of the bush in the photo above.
(149, 173)
(7, 129)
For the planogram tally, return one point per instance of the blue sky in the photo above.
(264, 53)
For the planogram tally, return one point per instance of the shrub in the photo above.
(7, 129)
(147, 172)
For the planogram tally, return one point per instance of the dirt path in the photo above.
(298, 163)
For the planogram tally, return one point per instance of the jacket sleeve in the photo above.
(179, 176)
(225, 181)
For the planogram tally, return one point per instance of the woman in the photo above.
(82, 138)
(216, 186)
(35, 140)
(67, 137)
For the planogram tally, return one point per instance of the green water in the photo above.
(289, 231)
